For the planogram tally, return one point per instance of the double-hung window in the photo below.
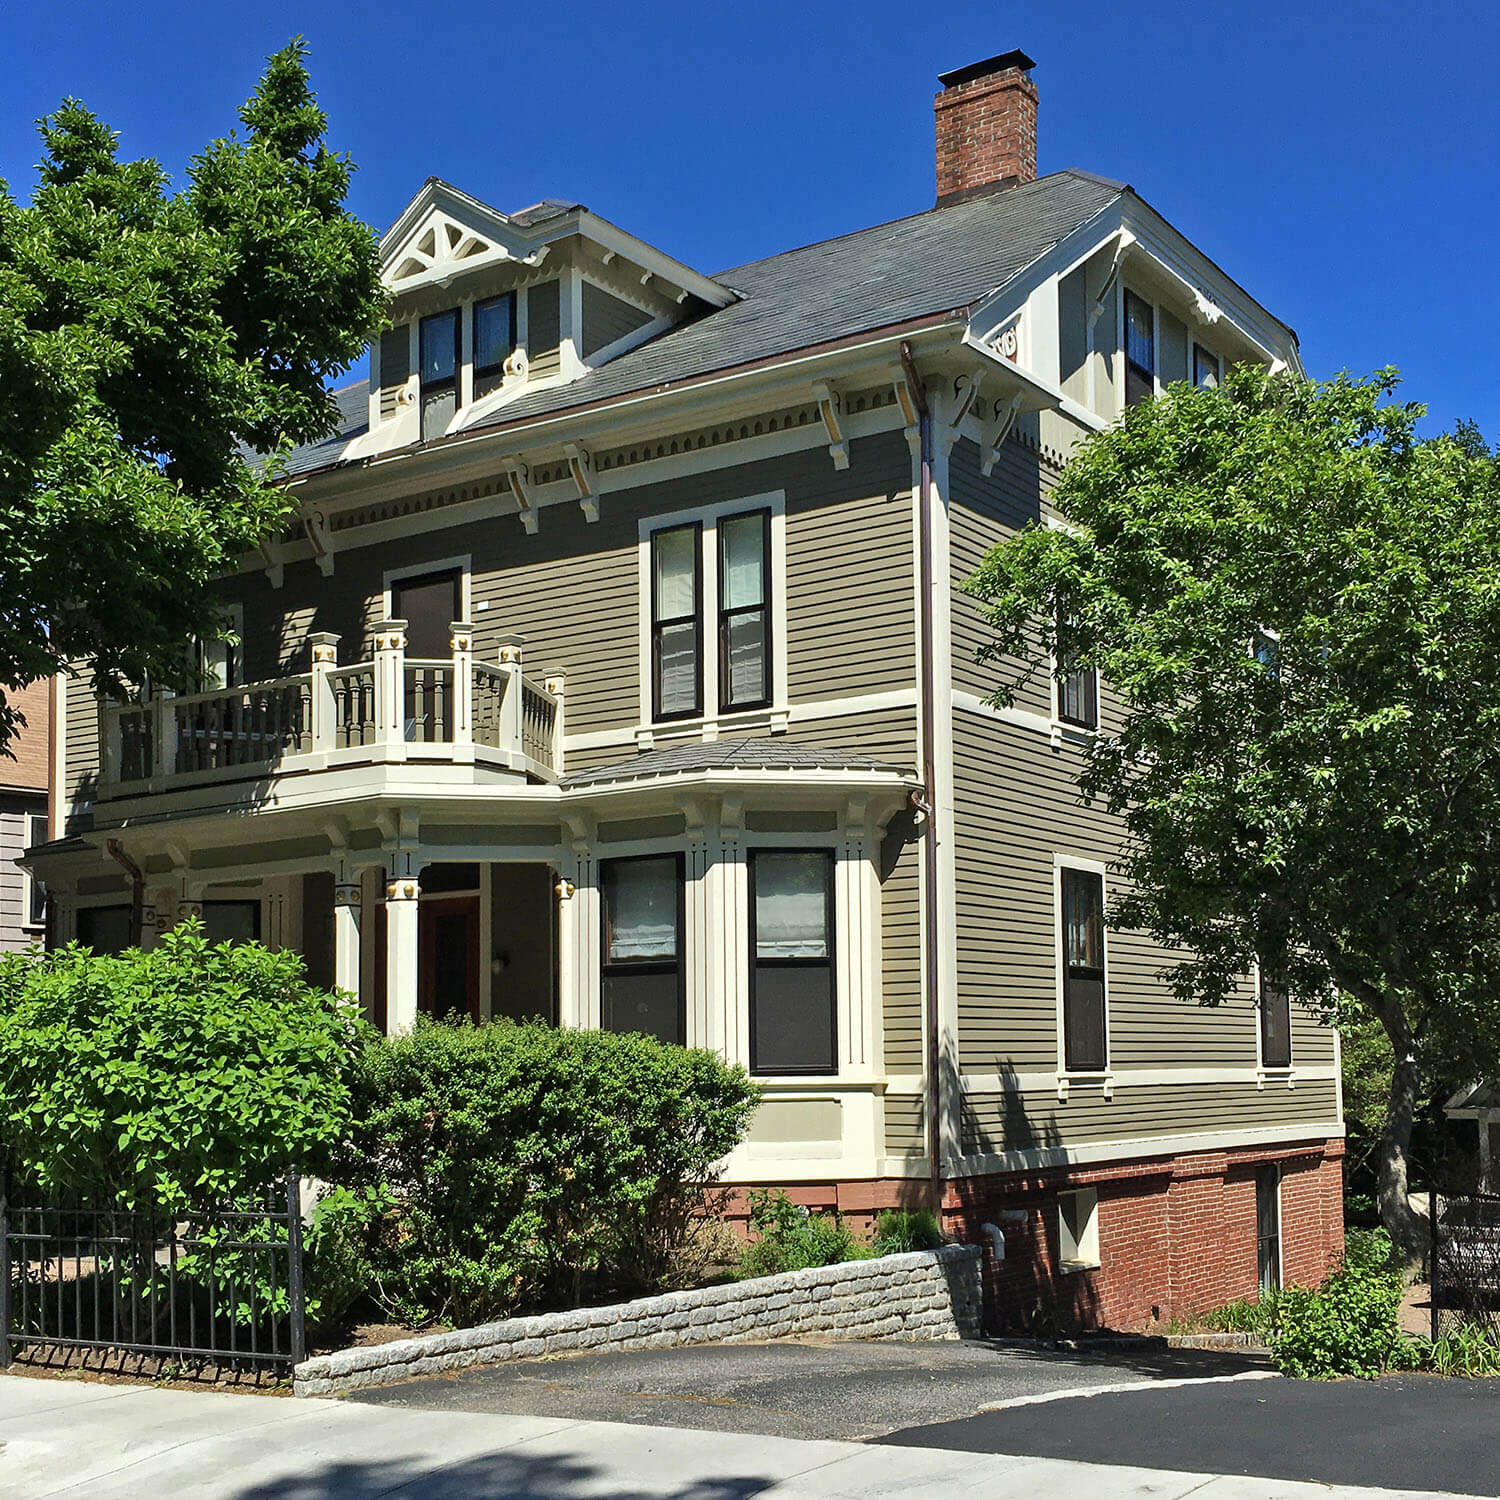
(494, 342)
(1205, 367)
(1085, 1039)
(792, 1025)
(711, 592)
(439, 354)
(1077, 692)
(644, 974)
(1275, 1024)
(1140, 349)
(744, 610)
(677, 622)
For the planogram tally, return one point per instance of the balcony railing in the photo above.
(391, 707)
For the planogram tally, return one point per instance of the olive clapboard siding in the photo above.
(607, 318)
(544, 329)
(905, 1125)
(80, 744)
(572, 590)
(16, 812)
(1030, 1121)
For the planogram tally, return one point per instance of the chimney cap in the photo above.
(1015, 58)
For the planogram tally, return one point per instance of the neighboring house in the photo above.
(24, 780)
(618, 673)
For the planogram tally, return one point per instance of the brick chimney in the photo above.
(986, 127)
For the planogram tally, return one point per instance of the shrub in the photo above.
(789, 1238)
(180, 1075)
(1244, 1316)
(528, 1166)
(1348, 1326)
(899, 1230)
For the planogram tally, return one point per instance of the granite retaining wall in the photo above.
(929, 1294)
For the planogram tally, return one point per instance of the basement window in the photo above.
(1078, 1230)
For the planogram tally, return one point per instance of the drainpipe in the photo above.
(928, 803)
(137, 885)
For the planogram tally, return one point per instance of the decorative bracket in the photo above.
(965, 394)
(518, 477)
(1205, 309)
(1125, 241)
(1005, 419)
(829, 410)
(580, 466)
(270, 553)
(315, 524)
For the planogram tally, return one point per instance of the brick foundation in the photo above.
(1177, 1234)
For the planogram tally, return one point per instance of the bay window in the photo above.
(792, 1004)
(644, 976)
(1085, 1039)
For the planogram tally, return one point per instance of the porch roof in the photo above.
(730, 755)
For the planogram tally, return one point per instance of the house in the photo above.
(25, 779)
(617, 672)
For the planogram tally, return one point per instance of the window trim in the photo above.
(412, 572)
(764, 608)
(1065, 1072)
(831, 963)
(710, 718)
(606, 965)
(658, 715)
(1263, 1068)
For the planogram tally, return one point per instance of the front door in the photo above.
(448, 935)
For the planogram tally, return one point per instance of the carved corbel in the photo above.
(829, 409)
(1005, 419)
(518, 478)
(1125, 241)
(270, 552)
(580, 466)
(315, 525)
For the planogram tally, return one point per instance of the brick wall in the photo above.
(29, 768)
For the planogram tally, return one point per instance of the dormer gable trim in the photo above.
(444, 232)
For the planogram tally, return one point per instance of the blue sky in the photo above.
(1339, 161)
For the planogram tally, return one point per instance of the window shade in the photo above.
(791, 905)
(642, 896)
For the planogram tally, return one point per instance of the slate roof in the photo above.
(729, 755)
(927, 263)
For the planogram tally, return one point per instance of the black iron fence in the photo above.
(218, 1285)
(1464, 1233)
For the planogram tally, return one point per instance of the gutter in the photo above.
(927, 803)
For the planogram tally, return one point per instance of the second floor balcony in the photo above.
(387, 708)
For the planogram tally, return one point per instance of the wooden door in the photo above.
(448, 937)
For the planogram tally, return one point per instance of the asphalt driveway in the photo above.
(797, 1390)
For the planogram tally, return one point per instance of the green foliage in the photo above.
(178, 1075)
(337, 1264)
(1466, 1351)
(147, 339)
(1245, 1316)
(1348, 1326)
(1328, 806)
(530, 1167)
(901, 1229)
(789, 1238)
(1366, 1066)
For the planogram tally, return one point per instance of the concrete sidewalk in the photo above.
(67, 1438)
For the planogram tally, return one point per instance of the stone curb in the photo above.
(927, 1294)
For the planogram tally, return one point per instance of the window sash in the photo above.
(1085, 998)
(1140, 349)
(744, 615)
(648, 986)
(494, 341)
(793, 1001)
(1275, 1025)
(439, 360)
(677, 635)
(1205, 368)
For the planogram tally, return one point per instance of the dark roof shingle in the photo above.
(729, 755)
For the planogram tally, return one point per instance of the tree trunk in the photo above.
(1407, 1229)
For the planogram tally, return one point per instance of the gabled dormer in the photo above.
(487, 305)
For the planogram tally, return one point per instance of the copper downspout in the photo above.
(137, 884)
(930, 924)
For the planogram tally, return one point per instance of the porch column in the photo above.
(401, 908)
(348, 900)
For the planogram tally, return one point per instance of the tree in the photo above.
(1297, 602)
(150, 343)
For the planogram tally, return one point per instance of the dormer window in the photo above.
(1140, 349)
(494, 342)
(1205, 367)
(440, 360)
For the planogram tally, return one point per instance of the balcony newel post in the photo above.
(461, 642)
(390, 683)
(163, 752)
(555, 685)
(510, 705)
(324, 715)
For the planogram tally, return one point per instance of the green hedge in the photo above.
(530, 1167)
